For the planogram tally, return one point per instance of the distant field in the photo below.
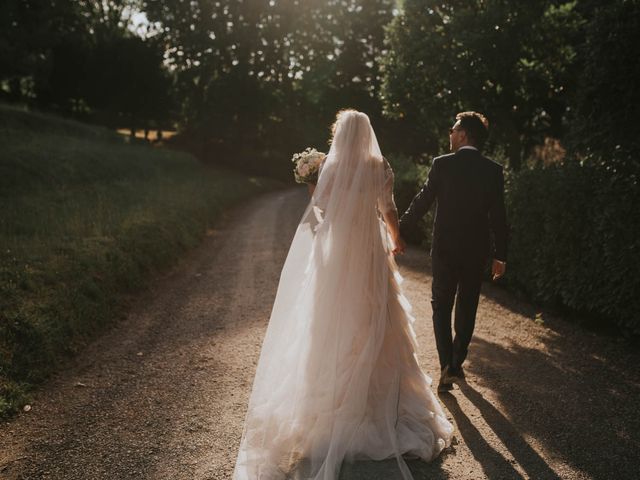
(84, 219)
(153, 134)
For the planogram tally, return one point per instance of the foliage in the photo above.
(409, 177)
(514, 62)
(250, 82)
(574, 235)
(608, 100)
(79, 58)
(118, 82)
(28, 28)
(575, 238)
(87, 218)
(260, 76)
(575, 231)
(543, 71)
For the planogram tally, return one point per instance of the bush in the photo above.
(409, 179)
(575, 237)
(575, 233)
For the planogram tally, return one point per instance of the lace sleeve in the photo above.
(385, 200)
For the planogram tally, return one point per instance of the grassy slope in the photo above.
(84, 219)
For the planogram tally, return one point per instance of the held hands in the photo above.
(498, 268)
(400, 246)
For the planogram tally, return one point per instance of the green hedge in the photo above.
(574, 234)
(575, 238)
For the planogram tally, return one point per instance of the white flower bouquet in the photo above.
(307, 165)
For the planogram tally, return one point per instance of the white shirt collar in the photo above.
(470, 147)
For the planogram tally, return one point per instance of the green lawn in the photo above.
(86, 218)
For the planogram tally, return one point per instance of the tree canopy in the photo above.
(267, 76)
(515, 63)
(81, 58)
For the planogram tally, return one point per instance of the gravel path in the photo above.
(164, 393)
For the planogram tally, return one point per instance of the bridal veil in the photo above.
(337, 376)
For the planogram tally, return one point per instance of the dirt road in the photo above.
(164, 393)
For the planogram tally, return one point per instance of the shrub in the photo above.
(574, 233)
(575, 237)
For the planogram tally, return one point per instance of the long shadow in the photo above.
(575, 392)
(527, 457)
(493, 463)
(573, 399)
(556, 318)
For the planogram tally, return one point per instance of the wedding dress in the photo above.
(338, 378)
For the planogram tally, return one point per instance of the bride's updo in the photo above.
(342, 116)
(351, 129)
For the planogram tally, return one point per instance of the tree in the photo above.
(607, 103)
(28, 29)
(80, 58)
(271, 74)
(515, 63)
(125, 83)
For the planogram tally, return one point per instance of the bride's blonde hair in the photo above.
(334, 125)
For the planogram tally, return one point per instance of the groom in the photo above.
(469, 191)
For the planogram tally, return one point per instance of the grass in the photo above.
(86, 219)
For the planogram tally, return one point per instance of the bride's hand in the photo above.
(400, 246)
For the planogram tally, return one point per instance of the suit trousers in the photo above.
(455, 279)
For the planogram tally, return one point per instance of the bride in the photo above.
(338, 377)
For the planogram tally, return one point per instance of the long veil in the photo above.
(312, 401)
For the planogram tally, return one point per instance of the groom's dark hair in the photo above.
(476, 125)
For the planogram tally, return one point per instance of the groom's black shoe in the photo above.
(445, 384)
(456, 375)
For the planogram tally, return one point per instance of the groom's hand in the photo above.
(498, 268)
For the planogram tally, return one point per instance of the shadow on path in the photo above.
(556, 394)
(577, 402)
(493, 463)
(530, 461)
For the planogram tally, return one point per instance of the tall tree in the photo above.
(262, 72)
(513, 62)
(607, 104)
(28, 30)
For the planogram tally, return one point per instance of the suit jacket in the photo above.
(469, 191)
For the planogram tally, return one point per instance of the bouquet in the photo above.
(307, 165)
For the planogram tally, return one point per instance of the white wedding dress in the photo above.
(338, 378)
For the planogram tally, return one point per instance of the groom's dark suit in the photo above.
(469, 191)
